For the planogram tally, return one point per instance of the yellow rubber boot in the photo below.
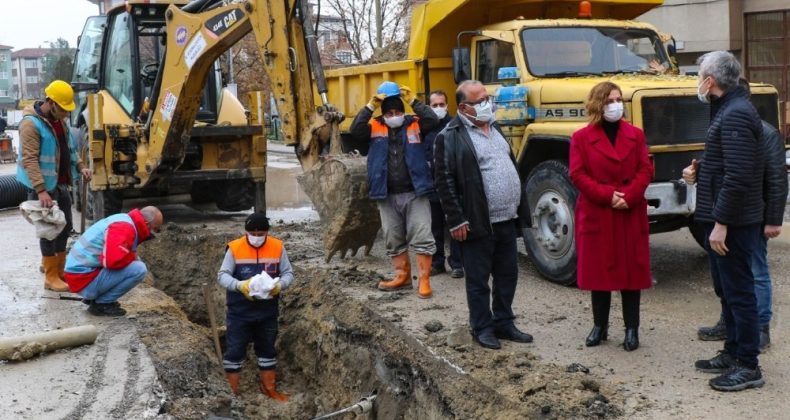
(51, 279)
(268, 385)
(61, 265)
(424, 270)
(402, 278)
(233, 381)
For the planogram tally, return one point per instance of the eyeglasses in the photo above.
(482, 100)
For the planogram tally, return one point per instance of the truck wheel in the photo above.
(236, 196)
(697, 232)
(203, 192)
(103, 203)
(550, 241)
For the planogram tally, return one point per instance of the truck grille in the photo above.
(685, 120)
(675, 120)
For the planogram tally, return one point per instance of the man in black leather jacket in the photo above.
(480, 191)
(730, 206)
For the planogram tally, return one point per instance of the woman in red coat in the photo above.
(610, 167)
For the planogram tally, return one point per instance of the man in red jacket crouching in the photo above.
(102, 266)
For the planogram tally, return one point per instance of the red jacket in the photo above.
(612, 246)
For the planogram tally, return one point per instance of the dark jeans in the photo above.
(733, 282)
(602, 301)
(262, 332)
(63, 198)
(438, 229)
(491, 256)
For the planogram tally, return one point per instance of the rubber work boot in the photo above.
(424, 270)
(233, 381)
(61, 265)
(402, 278)
(51, 279)
(268, 387)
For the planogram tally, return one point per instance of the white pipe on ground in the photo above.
(25, 347)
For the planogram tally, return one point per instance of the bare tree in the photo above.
(371, 26)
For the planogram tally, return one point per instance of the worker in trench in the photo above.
(252, 316)
(399, 180)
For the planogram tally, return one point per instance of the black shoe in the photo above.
(487, 340)
(719, 364)
(457, 273)
(512, 333)
(106, 309)
(597, 334)
(631, 341)
(737, 379)
(87, 301)
(717, 332)
(438, 270)
(765, 338)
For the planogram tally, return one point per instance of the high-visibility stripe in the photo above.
(258, 261)
(266, 362)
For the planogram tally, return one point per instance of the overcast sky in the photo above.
(33, 23)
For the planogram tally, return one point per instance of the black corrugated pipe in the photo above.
(11, 191)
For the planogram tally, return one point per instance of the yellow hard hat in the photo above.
(62, 93)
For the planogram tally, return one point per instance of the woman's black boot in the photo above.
(597, 335)
(631, 341)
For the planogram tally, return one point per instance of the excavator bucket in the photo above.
(338, 188)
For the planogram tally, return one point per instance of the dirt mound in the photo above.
(335, 347)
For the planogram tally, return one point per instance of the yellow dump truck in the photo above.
(539, 59)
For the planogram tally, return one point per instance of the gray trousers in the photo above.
(406, 222)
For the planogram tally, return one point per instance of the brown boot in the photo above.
(268, 387)
(233, 381)
(424, 270)
(402, 278)
(61, 265)
(51, 279)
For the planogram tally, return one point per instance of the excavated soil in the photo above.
(339, 342)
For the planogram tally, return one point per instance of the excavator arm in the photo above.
(197, 34)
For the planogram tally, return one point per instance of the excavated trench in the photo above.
(333, 349)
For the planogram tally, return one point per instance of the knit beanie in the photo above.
(392, 102)
(256, 222)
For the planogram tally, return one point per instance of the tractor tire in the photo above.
(203, 192)
(12, 192)
(236, 196)
(103, 203)
(551, 241)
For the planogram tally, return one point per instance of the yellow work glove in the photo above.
(276, 291)
(244, 288)
(375, 101)
(406, 95)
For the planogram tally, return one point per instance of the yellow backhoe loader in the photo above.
(154, 119)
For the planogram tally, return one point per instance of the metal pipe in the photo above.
(363, 406)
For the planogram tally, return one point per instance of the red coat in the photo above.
(612, 247)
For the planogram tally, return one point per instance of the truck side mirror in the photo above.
(462, 64)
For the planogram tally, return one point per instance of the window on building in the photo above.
(31, 79)
(31, 63)
(3, 58)
(3, 75)
(768, 50)
(3, 93)
(13, 73)
(344, 56)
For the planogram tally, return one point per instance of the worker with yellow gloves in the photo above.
(250, 318)
(400, 180)
(48, 164)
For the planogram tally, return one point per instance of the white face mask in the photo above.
(484, 111)
(613, 111)
(256, 241)
(703, 97)
(440, 111)
(394, 122)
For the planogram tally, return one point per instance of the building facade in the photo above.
(756, 31)
(7, 101)
(27, 67)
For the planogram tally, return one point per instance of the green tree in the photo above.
(58, 62)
